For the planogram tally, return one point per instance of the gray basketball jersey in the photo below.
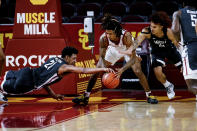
(188, 21)
(47, 74)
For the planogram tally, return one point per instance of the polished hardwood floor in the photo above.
(108, 110)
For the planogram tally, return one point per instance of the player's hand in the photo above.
(181, 70)
(119, 72)
(59, 97)
(109, 70)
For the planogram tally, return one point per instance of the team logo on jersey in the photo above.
(160, 43)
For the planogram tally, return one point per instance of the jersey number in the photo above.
(50, 64)
(193, 19)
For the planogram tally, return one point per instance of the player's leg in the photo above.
(84, 98)
(143, 81)
(190, 75)
(18, 82)
(3, 84)
(192, 85)
(157, 64)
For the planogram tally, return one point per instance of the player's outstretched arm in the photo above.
(134, 44)
(52, 93)
(70, 68)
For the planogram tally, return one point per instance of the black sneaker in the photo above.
(152, 100)
(82, 100)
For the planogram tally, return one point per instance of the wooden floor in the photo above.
(107, 111)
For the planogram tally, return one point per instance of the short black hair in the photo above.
(111, 23)
(68, 51)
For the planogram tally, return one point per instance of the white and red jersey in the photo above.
(112, 53)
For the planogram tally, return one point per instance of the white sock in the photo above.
(87, 94)
(148, 93)
(166, 84)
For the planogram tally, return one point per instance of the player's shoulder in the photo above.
(103, 38)
(127, 33)
(177, 13)
(146, 30)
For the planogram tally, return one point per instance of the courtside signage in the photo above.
(33, 60)
(37, 19)
(36, 23)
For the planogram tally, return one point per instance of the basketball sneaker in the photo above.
(152, 99)
(82, 100)
(170, 91)
(3, 98)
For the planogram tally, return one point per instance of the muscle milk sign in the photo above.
(37, 19)
(36, 23)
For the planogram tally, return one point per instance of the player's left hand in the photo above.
(119, 72)
(59, 97)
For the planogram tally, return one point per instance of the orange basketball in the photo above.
(110, 81)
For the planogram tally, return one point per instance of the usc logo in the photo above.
(83, 39)
(39, 2)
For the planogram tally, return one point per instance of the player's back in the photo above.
(188, 21)
(48, 72)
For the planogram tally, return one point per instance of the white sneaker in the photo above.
(196, 97)
(170, 91)
(3, 98)
(2, 107)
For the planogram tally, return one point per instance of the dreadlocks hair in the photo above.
(68, 51)
(110, 23)
(161, 18)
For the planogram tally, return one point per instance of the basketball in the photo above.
(110, 81)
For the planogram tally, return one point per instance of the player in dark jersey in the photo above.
(29, 79)
(113, 39)
(184, 25)
(163, 44)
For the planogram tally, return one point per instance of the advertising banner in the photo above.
(37, 19)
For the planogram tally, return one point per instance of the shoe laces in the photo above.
(169, 89)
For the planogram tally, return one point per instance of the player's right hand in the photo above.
(59, 97)
(109, 70)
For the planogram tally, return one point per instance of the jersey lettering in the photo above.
(50, 64)
(193, 19)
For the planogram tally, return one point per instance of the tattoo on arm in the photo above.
(129, 63)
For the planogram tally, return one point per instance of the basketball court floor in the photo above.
(108, 110)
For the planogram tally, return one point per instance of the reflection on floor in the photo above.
(107, 110)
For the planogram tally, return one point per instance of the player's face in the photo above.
(72, 59)
(111, 34)
(155, 28)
